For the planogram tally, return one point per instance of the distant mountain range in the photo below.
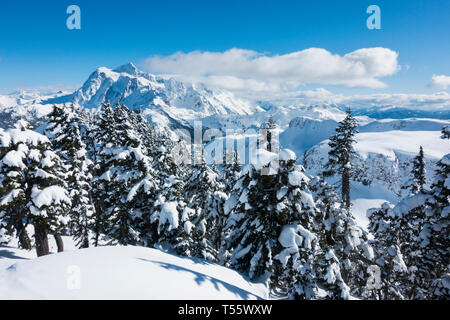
(172, 104)
(389, 136)
(391, 112)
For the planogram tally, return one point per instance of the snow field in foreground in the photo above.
(120, 273)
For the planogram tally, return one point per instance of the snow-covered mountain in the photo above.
(383, 164)
(385, 157)
(25, 104)
(389, 136)
(162, 100)
(385, 149)
(395, 112)
(305, 132)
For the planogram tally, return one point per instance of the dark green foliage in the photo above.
(341, 154)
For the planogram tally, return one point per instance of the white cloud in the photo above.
(247, 70)
(440, 81)
(435, 101)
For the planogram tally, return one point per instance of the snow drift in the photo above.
(123, 273)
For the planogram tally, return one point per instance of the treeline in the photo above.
(110, 177)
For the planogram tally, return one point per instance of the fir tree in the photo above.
(172, 218)
(435, 245)
(166, 174)
(445, 132)
(269, 211)
(64, 130)
(13, 186)
(128, 169)
(101, 135)
(341, 154)
(418, 173)
(34, 191)
(386, 243)
(345, 252)
(123, 175)
(231, 170)
(204, 194)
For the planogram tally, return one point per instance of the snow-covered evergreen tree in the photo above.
(418, 172)
(101, 135)
(345, 251)
(13, 187)
(231, 169)
(341, 154)
(204, 195)
(435, 245)
(166, 174)
(123, 177)
(445, 132)
(270, 217)
(64, 131)
(384, 226)
(34, 190)
(172, 219)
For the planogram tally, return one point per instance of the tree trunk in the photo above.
(41, 238)
(59, 242)
(346, 188)
(85, 243)
(24, 239)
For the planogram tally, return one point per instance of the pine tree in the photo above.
(418, 172)
(345, 251)
(231, 170)
(270, 214)
(204, 194)
(172, 218)
(384, 226)
(435, 244)
(268, 134)
(64, 130)
(166, 173)
(101, 135)
(128, 169)
(445, 132)
(13, 185)
(341, 154)
(123, 175)
(34, 191)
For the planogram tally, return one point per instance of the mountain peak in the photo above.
(129, 68)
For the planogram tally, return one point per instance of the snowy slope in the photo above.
(27, 105)
(385, 156)
(382, 165)
(122, 273)
(305, 132)
(282, 115)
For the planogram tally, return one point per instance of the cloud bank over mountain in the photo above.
(248, 70)
(432, 101)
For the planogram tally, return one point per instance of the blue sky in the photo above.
(37, 50)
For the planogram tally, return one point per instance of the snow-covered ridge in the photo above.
(140, 90)
(305, 132)
(384, 157)
(27, 105)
